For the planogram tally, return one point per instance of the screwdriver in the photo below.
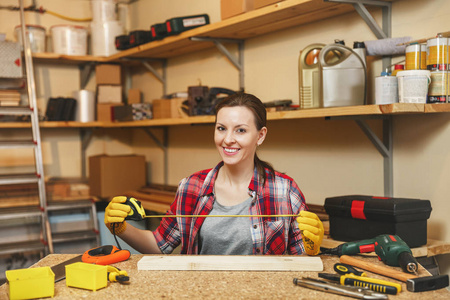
(373, 284)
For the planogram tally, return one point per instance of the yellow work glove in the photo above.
(312, 231)
(115, 214)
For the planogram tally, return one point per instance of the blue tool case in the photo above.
(358, 217)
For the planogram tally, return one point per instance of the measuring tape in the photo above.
(137, 213)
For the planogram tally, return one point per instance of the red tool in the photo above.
(105, 255)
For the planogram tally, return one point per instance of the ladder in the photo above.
(44, 243)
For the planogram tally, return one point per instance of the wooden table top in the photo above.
(212, 284)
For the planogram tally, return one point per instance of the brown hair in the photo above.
(259, 112)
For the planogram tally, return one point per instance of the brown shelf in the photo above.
(282, 15)
(363, 110)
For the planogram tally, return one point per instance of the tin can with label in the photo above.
(386, 90)
(437, 54)
(438, 89)
(416, 57)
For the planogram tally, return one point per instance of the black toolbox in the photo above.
(357, 217)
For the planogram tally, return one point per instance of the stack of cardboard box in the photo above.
(109, 90)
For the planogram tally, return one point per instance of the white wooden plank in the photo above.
(230, 263)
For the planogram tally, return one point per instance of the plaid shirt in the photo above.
(270, 235)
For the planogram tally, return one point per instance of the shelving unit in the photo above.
(269, 19)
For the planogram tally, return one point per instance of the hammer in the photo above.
(413, 282)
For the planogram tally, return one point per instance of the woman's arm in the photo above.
(142, 240)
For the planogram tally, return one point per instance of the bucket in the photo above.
(103, 10)
(413, 86)
(36, 36)
(69, 39)
(103, 37)
(386, 89)
(85, 108)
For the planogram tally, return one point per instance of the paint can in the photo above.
(437, 54)
(413, 86)
(386, 89)
(69, 39)
(438, 90)
(36, 37)
(416, 57)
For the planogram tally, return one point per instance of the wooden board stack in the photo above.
(9, 98)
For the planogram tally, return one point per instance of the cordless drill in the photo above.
(390, 249)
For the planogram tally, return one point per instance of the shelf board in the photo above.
(66, 59)
(344, 111)
(282, 15)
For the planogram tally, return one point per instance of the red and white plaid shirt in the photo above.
(270, 235)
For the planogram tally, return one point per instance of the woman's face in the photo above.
(236, 136)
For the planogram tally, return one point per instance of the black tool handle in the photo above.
(347, 269)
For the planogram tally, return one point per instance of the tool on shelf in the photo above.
(391, 249)
(350, 291)
(413, 282)
(377, 285)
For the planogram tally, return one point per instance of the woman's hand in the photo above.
(115, 213)
(312, 231)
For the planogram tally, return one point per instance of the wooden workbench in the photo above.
(211, 284)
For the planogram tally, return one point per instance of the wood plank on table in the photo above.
(230, 263)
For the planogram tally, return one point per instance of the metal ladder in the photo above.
(44, 244)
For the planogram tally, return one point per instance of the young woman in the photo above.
(240, 185)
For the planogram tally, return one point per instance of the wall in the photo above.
(326, 158)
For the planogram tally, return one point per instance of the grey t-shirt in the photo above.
(228, 235)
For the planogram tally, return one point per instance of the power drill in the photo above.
(390, 249)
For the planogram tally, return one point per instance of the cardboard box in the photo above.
(105, 111)
(111, 176)
(230, 8)
(134, 96)
(262, 3)
(109, 94)
(108, 74)
(167, 108)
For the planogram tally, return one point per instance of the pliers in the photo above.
(350, 291)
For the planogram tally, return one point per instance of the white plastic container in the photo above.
(36, 36)
(343, 76)
(103, 10)
(386, 89)
(103, 37)
(413, 86)
(69, 39)
(85, 109)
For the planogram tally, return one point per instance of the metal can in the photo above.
(386, 90)
(437, 54)
(416, 57)
(438, 89)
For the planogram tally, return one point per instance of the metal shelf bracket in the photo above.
(381, 33)
(238, 62)
(164, 146)
(85, 73)
(384, 146)
(146, 63)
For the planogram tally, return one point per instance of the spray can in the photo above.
(386, 89)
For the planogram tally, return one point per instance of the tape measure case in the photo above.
(357, 217)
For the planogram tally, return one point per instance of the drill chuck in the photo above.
(407, 262)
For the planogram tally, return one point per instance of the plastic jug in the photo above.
(343, 75)
(309, 76)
